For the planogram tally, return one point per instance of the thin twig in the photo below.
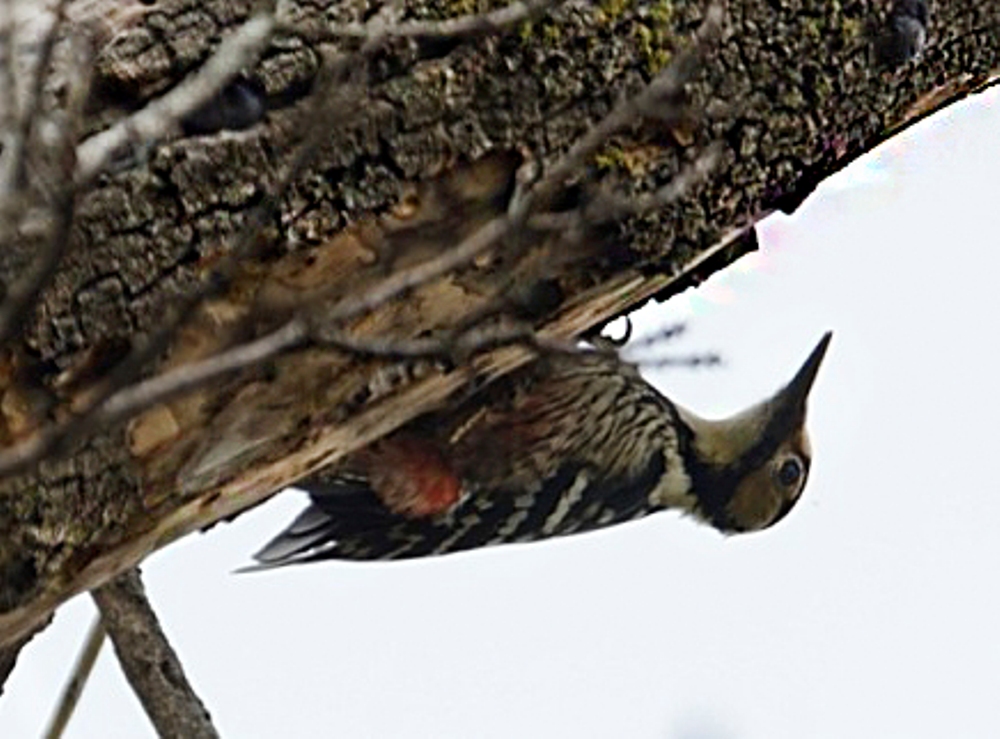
(162, 117)
(296, 333)
(662, 335)
(476, 340)
(126, 403)
(8, 78)
(670, 79)
(149, 662)
(136, 398)
(482, 24)
(21, 295)
(316, 123)
(660, 98)
(20, 456)
(608, 207)
(77, 680)
(691, 361)
(13, 173)
(422, 273)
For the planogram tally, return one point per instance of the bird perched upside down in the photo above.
(570, 444)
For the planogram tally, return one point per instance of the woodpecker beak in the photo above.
(785, 412)
(800, 385)
(790, 401)
(721, 443)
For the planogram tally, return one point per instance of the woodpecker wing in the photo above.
(575, 445)
(356, 525)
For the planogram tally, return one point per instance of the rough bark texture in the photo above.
(790, 92)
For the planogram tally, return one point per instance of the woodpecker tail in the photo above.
(314, 532)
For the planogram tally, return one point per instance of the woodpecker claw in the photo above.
(608, 343)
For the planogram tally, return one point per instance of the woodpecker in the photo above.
(570, 444)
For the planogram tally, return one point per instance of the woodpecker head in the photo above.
(748, 471)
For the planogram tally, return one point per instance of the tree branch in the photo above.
(327, 445)
(149, 662)
(120, 400)
(78, 679)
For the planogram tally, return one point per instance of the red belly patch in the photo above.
(411, 477)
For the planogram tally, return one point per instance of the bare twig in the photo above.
(422, 273)
(141, 396)
(296, 333)
(687, 360)
(709, 359)
(126, 403)
(667, 83)
(609, 206)
(494, 22)
(660, 99)
(606, 206)
(21, 295)
(20, 456)
(470, 342)
(162, 117)
(662, 335)
(316, 122)
(12, 174)
(137, 398)
(8, 85)
(78, 679)
(149, 662)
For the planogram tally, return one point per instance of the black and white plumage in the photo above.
(570, 444)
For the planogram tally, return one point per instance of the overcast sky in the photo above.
(871, 611)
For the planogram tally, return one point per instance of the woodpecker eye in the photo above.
(790, 472)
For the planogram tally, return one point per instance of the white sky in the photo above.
(871, 611)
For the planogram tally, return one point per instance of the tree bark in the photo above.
(790, 91)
